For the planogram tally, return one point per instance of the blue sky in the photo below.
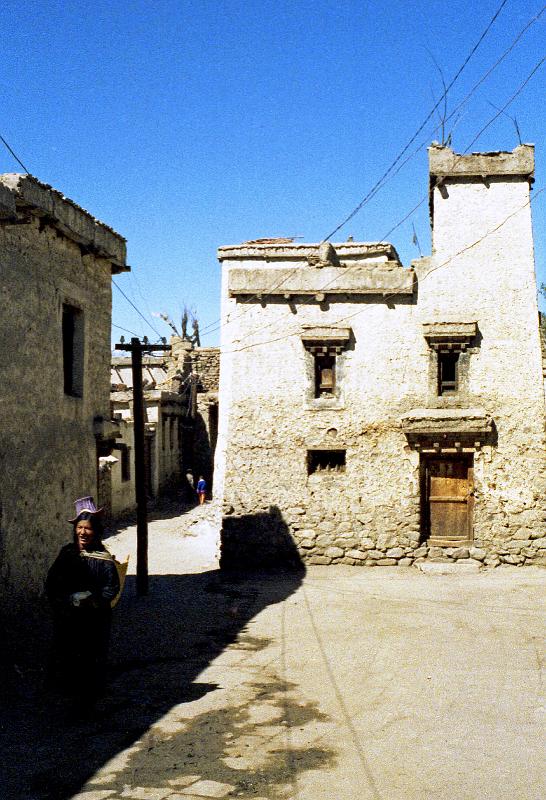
(190, 125)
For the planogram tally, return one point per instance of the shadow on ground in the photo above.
(161, 643)
(171, 506)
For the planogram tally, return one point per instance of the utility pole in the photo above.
(136, 348)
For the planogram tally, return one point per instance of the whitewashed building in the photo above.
(378, 414)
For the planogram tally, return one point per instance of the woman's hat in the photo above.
(86, 505)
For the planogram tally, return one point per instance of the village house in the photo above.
(378, 414)
(181, 413)
(56, 267)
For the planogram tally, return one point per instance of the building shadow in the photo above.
(257, 541)
(160, 645)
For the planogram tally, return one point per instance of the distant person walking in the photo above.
(201, 490)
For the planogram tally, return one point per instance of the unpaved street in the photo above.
(379, 684)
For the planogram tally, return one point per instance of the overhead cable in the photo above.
(418, 131)
(214, 326)
(136, 309)
(16, 157)
(297, 330)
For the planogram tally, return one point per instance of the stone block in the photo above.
(334, 552)
(367, 544)
(375, 554)
(306, 544)
(386, 540)
(459, 552)
(319, 560)
(357, 555)
(395, 552)
(512, 559)
(514, 547)
(477, 553)
(420, 552)
(435, 552)
(492, 560)
(405, 562)
(324, 540)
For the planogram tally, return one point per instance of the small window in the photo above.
(325, 461)
(325, 375)
(125, 464)
(448, 372)
(72, 330)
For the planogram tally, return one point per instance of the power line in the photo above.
(297, 331)
(512, 98)
(416, 134)
(16, 157)
(125, 329)
(215, 326)
(457, 158)
(461, 104)
(136, 309)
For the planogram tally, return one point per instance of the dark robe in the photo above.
(81, 633)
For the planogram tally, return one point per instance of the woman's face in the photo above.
(84, 533)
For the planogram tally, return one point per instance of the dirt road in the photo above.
(334, 683)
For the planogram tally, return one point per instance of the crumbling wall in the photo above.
(206, 365)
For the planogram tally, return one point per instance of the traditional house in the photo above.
(181, 414)
(56, 266)
(376, 414)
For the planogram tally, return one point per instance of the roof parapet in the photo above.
(275, 250)
(26, 193)
(445, 163)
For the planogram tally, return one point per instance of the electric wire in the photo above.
(416, 134)
(136, 309)
(461, 104)
(456, 159)
(16, 157)
(125, 329)
(215, 326)
(395, 292)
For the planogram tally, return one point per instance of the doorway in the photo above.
(448, 493)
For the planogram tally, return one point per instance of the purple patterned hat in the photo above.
(87, 505)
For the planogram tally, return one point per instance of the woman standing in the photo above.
(80, 586)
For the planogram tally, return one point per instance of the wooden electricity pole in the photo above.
(136, 348)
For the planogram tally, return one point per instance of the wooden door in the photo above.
(449, 487)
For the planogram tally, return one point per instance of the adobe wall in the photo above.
(47, 445)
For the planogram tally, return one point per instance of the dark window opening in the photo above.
(125, 464)
(325, 461)
(72, 330)
(448, 372)
(325, 375)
